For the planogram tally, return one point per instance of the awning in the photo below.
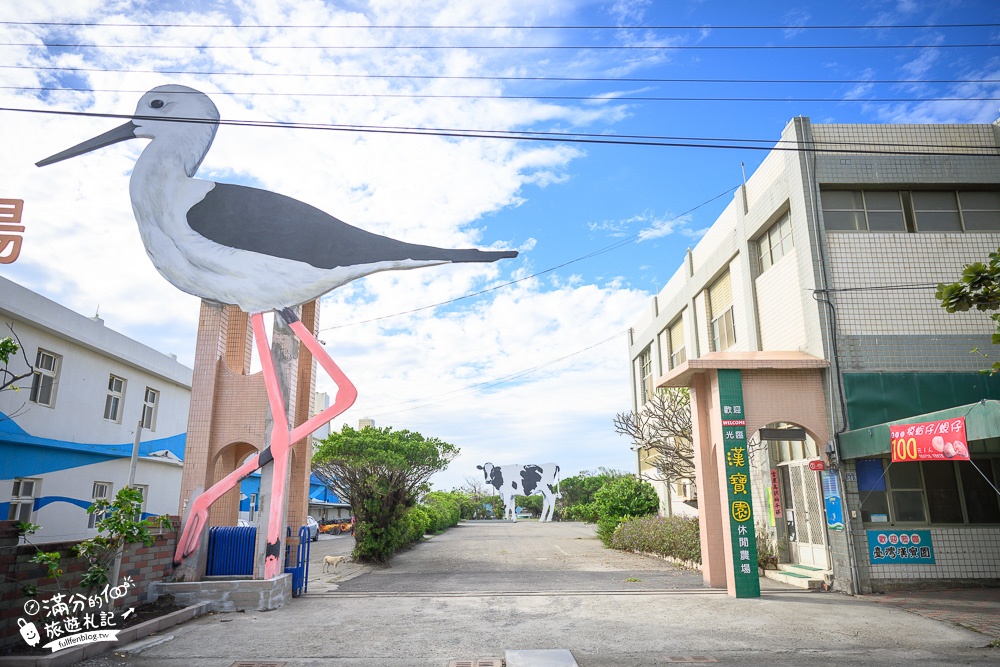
(982, 421)
(751, 360)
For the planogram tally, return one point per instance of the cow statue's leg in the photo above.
(555, 496)
(512, 509)
(548, 506)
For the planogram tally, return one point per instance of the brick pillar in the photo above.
(213, 330)
(298, 490)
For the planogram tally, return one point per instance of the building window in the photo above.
(863, 210)
(723, 331)
(143, 490)
(149, 403)
(929, 492)
(720, 304)
(115, 399)
(980, 211)
(844, 210)
(646, 375)
(22, 500)
(936, 212)
(911, 211)
(101, 491)
(676, 338)
(884, 211)
(775, 243)
(43, 382)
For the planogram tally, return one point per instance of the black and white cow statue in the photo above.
(526, 480)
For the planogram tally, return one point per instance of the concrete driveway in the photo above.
(483, 588)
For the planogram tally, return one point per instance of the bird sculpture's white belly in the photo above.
(255, 282)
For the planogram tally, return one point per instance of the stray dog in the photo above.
(332, 560)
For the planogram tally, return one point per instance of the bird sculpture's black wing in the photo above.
(276, 225)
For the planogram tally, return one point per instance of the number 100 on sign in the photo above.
(929, 441)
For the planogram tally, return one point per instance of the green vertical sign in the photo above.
(740, 507)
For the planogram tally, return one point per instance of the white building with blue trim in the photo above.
(67, 434)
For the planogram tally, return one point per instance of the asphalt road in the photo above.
(483, 588)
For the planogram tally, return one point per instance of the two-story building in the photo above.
(67, 434)
(805, 325)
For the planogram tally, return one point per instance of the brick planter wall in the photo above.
(144, 565)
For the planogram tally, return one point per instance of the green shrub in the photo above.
(420, 522)
(581, 512)
(445, 509)
(621, 499)
(606, 527)
(674, 536)
(374, 543)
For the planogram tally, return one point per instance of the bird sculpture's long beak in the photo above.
(120, 133)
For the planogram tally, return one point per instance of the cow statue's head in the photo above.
(492, 474)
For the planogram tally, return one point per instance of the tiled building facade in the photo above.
(817, 283)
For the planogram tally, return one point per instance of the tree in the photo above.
(119, 525)
(621, 499)
(475, 502)
(381, 473)
(9, 347)
(577, 501)
(978, 288)
(532, 504)
(662, 428)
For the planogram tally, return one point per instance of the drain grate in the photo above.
(245, 663)
(689, 658)
(481, 662)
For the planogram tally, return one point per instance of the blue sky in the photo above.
(533, 371)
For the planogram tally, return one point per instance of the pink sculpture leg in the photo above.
(277, 451)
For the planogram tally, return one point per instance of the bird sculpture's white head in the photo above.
(180, 117)
(184, 117)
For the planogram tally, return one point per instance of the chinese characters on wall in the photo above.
(898, 547)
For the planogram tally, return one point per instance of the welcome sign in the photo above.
(741, 525)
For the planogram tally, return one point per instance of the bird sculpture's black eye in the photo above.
(156, 104)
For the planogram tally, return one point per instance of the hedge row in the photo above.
(673, 536)
(438, 512)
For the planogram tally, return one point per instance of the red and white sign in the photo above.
(942, 440)
(817, 465)
(776, 493)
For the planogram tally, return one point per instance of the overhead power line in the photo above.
(344, 26)
(510, 47)
(560, 98)
(433, 77)
(838, 147)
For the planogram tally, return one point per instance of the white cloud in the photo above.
(650, 226)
